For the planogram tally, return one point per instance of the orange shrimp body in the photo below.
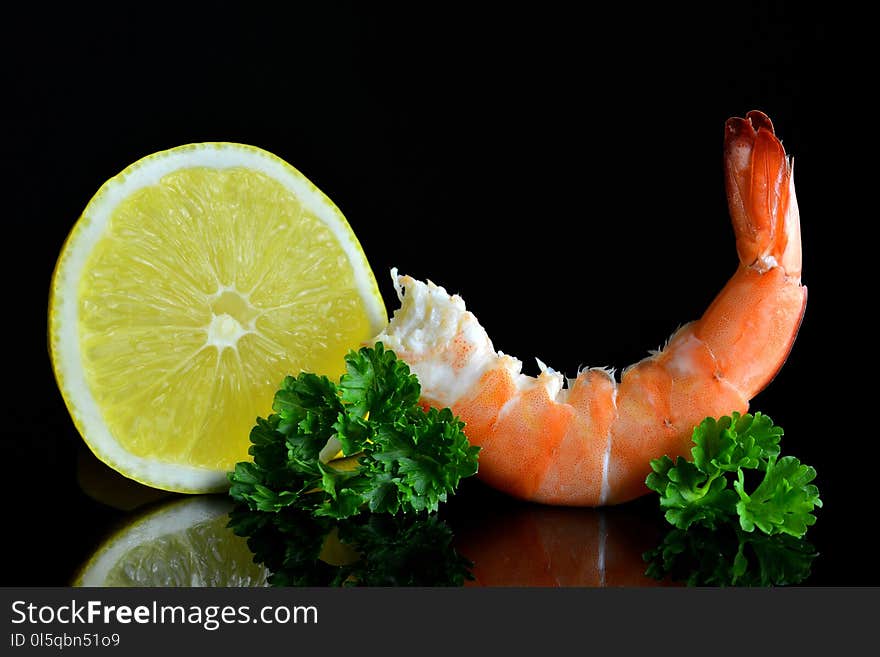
(589, 443)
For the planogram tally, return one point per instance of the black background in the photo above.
(561, 170)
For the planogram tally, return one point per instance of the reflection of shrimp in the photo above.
(590, 444)
(531, 545)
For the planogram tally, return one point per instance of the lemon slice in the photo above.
(194, 281)
(182, 543)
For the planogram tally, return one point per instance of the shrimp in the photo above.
(589, 441)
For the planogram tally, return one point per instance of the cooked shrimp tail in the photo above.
(589, 441)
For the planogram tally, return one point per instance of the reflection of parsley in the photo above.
(403, 550)
(400, 551)
(405, 458)
(698, 491)
(728, 556)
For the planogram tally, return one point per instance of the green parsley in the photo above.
(711, 489)
(405, 458)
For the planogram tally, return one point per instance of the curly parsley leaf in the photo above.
(376, 381)
(783, 502)
(711, 489)
(731, 443)
(689, 495)
(401, 457)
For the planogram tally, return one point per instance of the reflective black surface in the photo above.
(480, 539)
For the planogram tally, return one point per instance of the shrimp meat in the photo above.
(589, 441)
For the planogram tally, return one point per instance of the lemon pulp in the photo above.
(197, 287)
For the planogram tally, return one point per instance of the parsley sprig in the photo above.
(712, 489)
(404, 458)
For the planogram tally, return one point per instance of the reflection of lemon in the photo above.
(194, 281)
(337, 553)
(183, 543)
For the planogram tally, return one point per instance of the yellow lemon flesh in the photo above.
(182, 543)
(194, 281)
